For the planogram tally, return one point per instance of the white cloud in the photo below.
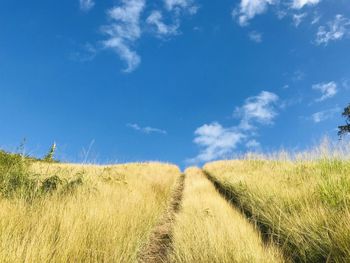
(248, 9)
(335, 30)
(86, 5)
(255, 36)
(257, 109)
(146, 130)
(324, 115)
(328, 90)
(156, 19)
(298, 18)
(177, 5)
(216, 141)
(124, 30)
(298, 4)
(316, 19)
(281, 14)
(127, 25)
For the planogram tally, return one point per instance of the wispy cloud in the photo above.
(298, 18)
(257, 109)
(298, 4)
(124, 30)
(146, 130)
(216, 141)
(248, 9)
(179, 5)
(321, 116)
(176, 8)
(86, 53)
(328, 90)
(316, 18)
(162, 30)
(128, 24)
(255, 36)
(86, 5)
(335, 30)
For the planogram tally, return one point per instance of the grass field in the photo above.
(250, 210)
(108, 218)
(303, 205)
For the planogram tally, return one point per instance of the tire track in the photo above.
(209, 229)
(233, 199)
(160, 241)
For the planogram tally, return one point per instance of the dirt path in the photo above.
(208, 228)
(160, 242)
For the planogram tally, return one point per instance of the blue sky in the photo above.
(183, 81)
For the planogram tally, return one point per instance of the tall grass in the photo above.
(107, 218)
(302, 204)
(208, 229)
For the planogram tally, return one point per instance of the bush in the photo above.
(17, 180)
(14, 175)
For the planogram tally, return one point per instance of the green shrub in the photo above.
(14, 175)
(17, 180)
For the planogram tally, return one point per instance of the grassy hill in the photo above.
(251, 210)
(302, 206)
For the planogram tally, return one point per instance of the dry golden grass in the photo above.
(107, 219)
(160, 241)
(48, 214)
(208, 229)
(304, 205)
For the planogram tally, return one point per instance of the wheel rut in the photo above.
(160, 241)
(210, 229)
(233, 199)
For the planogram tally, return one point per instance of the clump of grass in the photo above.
(334, 192)
(49, 157)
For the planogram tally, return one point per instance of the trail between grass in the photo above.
(160, 242)
(210, 229)
(233, 199)
(206, 229)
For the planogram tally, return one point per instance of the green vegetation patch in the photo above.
(18, 181)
